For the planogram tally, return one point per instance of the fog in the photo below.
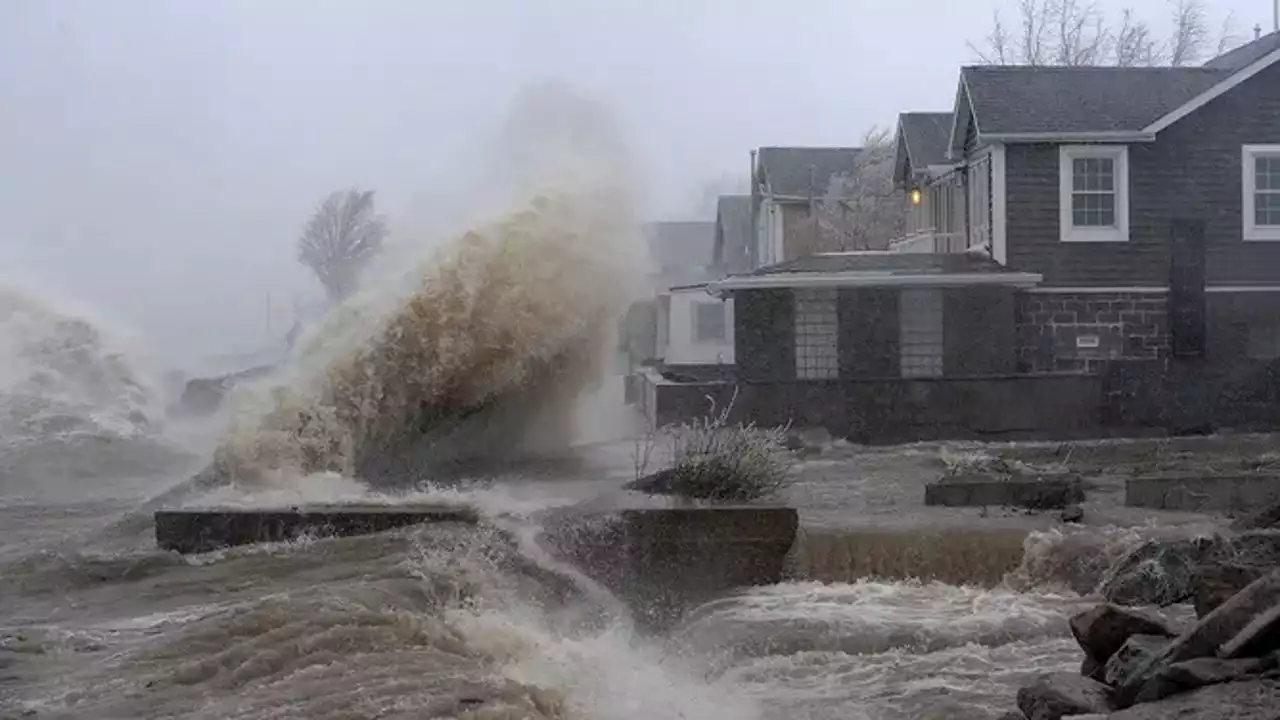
(157, 157)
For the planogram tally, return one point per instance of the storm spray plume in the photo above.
(490, 337)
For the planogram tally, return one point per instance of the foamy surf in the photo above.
(483, 348)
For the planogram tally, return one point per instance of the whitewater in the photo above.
(489, 345)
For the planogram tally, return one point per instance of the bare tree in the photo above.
(1080, 33)
(862, 210)
(341, 236)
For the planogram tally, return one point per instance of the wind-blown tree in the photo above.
(341, 236)
(862, 210)
(1080, 33)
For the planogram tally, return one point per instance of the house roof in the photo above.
(680, 245)
(796, 171)
(1015, 100)
(880, 268)
(733, 232)
(1095, 104)
(925, 136)
(1246, 54)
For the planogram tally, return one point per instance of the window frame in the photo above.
(1249, 155)
(1067, 155)
(695, 321)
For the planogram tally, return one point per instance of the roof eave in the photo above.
(1204, 98)
(873, 279)
(1113, 136)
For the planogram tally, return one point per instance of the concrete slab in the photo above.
(1201, 493)
(205, 529)
(1040, 492)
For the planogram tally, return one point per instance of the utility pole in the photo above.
(1275, 15)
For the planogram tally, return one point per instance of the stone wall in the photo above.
(1082, 332)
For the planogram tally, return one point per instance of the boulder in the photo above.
(1199, 672)
(1260, 637)
(1058, 695)
(1133, 658)
(1072, 514)
(1104, 630)
(1156, 573)
(1268, 517)
(1209, 634)
(1215, 583)
(1248, 700)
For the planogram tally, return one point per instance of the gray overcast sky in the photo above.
(158, 156)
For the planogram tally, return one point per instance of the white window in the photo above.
(920, 340)
(1094, 193)
(817, 356)
(709, 322)
(1261, 183)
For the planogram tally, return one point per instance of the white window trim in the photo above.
(1248, 187)
(1069, 153)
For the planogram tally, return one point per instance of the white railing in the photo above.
(928, 241)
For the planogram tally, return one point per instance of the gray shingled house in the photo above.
(1069, 225)
(788, 185)
(1147, 198)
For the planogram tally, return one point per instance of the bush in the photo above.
(713, 459)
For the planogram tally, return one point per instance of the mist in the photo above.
(161, 157)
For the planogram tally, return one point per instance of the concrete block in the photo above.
(206, 529)
(663, 562)
(1039, 492)
(1200, 493)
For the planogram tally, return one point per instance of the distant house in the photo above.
(936, 208)
(690, 328)
(789, 185)
(731, 252)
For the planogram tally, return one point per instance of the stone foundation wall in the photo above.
(1082, 331)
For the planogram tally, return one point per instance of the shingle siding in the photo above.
(1192, 170)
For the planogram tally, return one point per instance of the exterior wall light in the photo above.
(915, 196)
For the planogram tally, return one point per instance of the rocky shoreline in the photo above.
(1136, 666)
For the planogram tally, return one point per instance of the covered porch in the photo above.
(875, 316)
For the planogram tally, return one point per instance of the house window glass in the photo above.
(709, 322)
(920, 340)
(1094, 193)
(1267, 189)
(980, 201)
(816, 330)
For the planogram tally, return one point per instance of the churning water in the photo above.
(485, 345)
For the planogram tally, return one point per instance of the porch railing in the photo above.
(928, 241)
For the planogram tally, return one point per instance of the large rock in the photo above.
(1155, 573)
(1055, 696)
(1208, 635)
(1249, 700)
(1267, 518)
(1260, 637)
(1191, 674)
(1133, 658)
(1104, 630)
(1214, 583)
(664, 561)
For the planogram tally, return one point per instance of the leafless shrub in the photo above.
(711, 458)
